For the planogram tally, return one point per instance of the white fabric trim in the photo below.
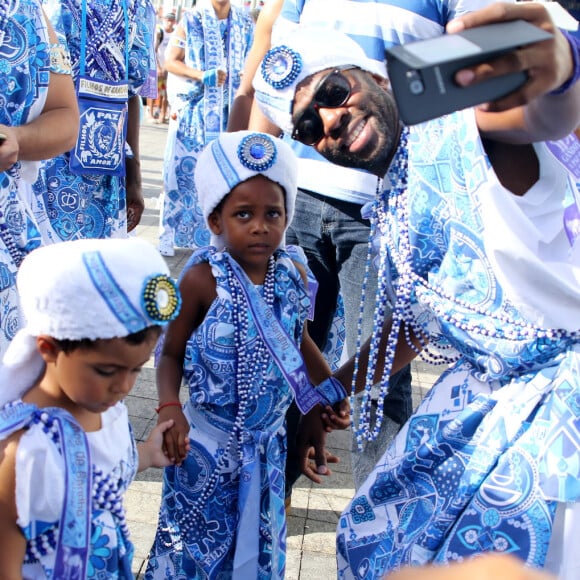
(529, 249)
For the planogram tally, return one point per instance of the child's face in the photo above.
(252, 221)
(94, 378)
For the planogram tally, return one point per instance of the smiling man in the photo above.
(475, 211)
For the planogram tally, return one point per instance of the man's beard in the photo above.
(381, 110)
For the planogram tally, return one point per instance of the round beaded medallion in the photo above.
(257, 152)
(161, 299)
(281, 66)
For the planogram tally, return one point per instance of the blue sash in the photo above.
(282, 347)
(72, 549)
(215, 58)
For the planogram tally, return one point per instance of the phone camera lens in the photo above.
(415, 83)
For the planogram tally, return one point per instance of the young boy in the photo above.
(94, 311)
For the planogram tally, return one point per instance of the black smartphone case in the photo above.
(422, 73)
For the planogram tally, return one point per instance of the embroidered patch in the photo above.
(161, 299)
(281, 66)
(257, 152)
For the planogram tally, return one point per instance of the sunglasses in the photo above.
(332, 92)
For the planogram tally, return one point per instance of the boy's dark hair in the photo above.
(68, 346)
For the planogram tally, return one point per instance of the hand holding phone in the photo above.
(422, 74)
(552, 60)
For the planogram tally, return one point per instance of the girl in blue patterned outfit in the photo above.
(238, 346)
(67, 452)
(205, 57)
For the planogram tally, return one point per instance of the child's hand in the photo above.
(336, 417)
(151, 452)
(310, 441)
(175, 439)
(330, 458)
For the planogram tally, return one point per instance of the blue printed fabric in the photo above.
(222, 511)
(24, 77)
(492, 451)
(94, 206)
(200, 112)
(43, 475)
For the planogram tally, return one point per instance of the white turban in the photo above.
(308, 50)
(233, 158)
(85, 289)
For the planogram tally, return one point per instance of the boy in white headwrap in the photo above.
(238, 345)
(94, 310)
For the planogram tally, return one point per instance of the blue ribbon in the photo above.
(283, 349)
(72, 550)
(75, 521)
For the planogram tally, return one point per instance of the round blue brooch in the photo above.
(161, 299)
(257, 152)
(281, 66)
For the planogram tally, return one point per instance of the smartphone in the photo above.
(2, 138)
(422, 73)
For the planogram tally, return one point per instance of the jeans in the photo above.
(334, 238)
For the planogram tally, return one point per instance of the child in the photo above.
(94, 310)
(245, 304)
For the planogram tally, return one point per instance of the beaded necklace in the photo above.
(389, 222)
(97, 24)
(380, 220)
(106, 494)
(252, 363)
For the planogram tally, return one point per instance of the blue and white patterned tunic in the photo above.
(223, 509)
(24, 77)
(490, 460)
(94, 206)
(199, 114)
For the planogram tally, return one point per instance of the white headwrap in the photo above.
(85, 289)
(233, 158)
(308, 50)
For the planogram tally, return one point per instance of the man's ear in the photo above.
(215, 223)
(381, 81)
(47, 347)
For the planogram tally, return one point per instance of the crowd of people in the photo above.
(330, 246)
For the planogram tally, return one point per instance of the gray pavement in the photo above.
(315, 509)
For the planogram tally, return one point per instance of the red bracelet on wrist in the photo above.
(168, 404)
